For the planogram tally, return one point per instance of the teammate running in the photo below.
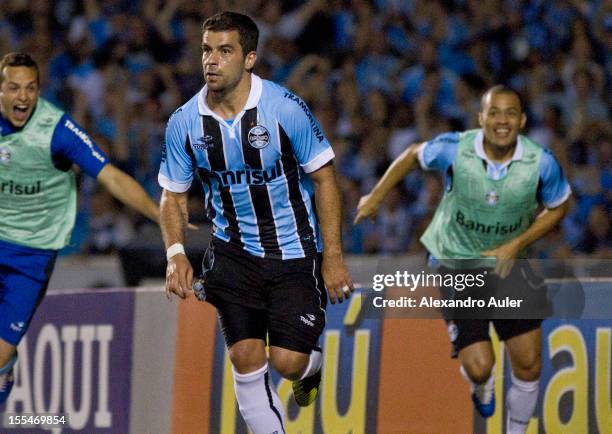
(494, 179)
(39, 143)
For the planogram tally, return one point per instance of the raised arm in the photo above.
(401, 166)
(125, 188)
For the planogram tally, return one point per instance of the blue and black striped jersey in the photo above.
(253, 169)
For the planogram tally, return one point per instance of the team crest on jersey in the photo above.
(492, 197)
(5, 155)
(259, 137)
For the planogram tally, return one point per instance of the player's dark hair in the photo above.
(502, 88)
(18, 59)
(243, 24)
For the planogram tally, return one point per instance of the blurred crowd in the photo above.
(378, 74)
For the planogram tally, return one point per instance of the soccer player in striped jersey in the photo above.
(495, 180)
(39, 144)
(264, 164)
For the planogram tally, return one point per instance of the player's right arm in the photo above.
(175, 177)
(401, 166)
(173, 218)
(437, 154)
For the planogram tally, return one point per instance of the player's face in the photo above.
(223, 61)
(19, 93)
(501, 119)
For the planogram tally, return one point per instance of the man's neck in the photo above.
(497, 154)
(229, 103)
(6, 127)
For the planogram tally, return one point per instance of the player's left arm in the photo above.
(327, 197)
(127, 190)
(554, 193)
(315, 155)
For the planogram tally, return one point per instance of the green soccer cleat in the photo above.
(305, 391)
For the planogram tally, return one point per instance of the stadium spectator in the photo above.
(545, 44)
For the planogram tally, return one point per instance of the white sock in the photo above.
(520, 404)
(483, 391)
(314, 363)
(258, 402)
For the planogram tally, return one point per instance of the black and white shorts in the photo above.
(468, 326)
(283, 300)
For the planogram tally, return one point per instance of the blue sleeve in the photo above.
(70, 144)
(439, 153)
(176, 169)
(553, 189)
(310, 146)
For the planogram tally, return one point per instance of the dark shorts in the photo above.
(464, 332)
(258, 298)
(469, 325)
(24, 276)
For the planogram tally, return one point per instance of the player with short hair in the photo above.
(39, 143)
(497, 178)
(264, 163)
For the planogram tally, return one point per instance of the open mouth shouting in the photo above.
(21, 112)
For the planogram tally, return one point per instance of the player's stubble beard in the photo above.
(225, 92)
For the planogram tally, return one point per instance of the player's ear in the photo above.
(523, 120)
(249, 60)
(480, 119)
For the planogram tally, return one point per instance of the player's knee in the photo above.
(247, 356)
(288, 364)
(528, 367)
(7, 353)
(478, 369)
(4, 360)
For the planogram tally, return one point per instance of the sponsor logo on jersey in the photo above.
(45, 123)
(204, 143)
(530, 158)
(85, 139)
(492, 197)
(259, 137)
(306, 321)
(17, 326)
(164, 151)
(10, 187)
(249, 176)
(313, 123)
(497, 228)
(5, 155)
